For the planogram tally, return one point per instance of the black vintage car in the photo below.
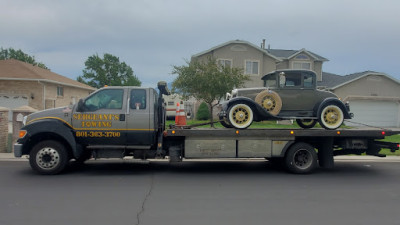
(287, 94)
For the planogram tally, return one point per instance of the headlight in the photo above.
(234, 93)
(228, 96)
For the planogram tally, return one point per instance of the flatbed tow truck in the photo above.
(119, 122)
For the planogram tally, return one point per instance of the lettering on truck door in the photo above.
(103, 120)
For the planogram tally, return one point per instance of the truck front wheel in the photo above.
(48, 157)
(301, 158)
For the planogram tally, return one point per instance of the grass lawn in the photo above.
(274, 125)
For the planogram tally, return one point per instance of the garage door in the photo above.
(12, 102)
(375, 113)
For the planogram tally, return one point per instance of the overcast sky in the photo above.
(153, 35)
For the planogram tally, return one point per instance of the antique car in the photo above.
(286, 95)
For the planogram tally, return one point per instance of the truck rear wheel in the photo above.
(301, 158)
(48, 157)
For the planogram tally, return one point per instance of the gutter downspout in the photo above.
(44, 94)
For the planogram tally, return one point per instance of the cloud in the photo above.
(151, 36)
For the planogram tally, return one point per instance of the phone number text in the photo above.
(94, 134)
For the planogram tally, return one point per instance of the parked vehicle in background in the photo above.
(287, 94)
(171, 102)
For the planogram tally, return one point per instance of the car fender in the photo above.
(49, 129)
(259, 112)
(336, 102)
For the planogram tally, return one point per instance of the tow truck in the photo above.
(121, 122)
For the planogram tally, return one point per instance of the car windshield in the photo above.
(270, 80)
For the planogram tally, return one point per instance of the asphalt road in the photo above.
(355, 192)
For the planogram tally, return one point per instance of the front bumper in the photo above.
(18, 150)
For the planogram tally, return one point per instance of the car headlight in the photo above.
(234, 93)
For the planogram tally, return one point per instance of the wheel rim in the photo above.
(302, 158)
(332, 116)
(240, 116)
(268, 103)
(47, 158)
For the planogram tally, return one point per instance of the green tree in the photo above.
(207, 81)
(203, 113)
(107, 71)
(11, 53)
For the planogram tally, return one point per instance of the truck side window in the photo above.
(138, 99)
(105, 99)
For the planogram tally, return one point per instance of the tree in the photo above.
(107, 71)
(207, 81)
(11, 53)
(203, 113)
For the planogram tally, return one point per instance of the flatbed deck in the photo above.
(258, 132)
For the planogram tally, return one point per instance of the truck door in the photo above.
(139, 132)
(102, 120)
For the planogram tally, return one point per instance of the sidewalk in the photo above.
(10, 157)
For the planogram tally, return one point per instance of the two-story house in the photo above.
(257, 61)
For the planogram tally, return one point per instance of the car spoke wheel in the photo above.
(240, 116)
(270, 101)
(225, 123)
(331, 117)
(306, 123)
(301, 158)
(48, 157)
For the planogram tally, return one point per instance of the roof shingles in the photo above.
(15, 69)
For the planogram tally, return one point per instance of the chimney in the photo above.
(263, 44)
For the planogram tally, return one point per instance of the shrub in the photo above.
(203, 113)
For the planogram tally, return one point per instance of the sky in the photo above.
(152, 36)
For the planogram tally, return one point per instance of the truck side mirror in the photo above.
(162, 86)
(81, 106)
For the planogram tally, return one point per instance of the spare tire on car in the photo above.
(270, 101)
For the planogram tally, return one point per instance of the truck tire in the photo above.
(270, 101)
(301, 158)
(48, 157)
(306, 123)
(331, 117)
(240, 116)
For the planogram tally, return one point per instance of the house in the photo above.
(24, 84)
(374, 97)
(258, 61)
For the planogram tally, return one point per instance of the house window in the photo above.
(251, 67)
(302, 65)
(302, 57)
(225, 62)
(60, 91)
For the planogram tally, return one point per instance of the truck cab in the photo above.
(112, 122)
